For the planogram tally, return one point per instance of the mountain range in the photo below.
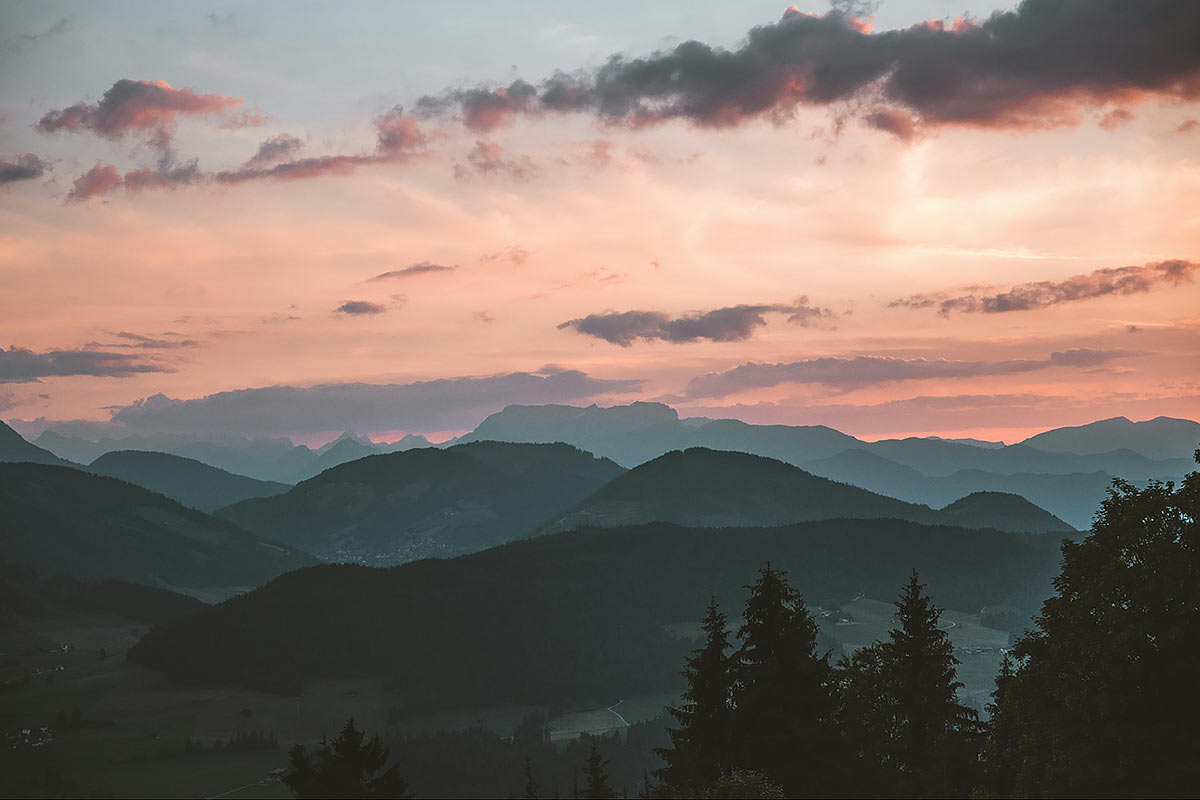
(934, 472)
(713, 488)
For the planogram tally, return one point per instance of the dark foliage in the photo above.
(596, 776)
(348, 766)
(783, 718)
(907, 733)
(700, 747)
(1104, 695)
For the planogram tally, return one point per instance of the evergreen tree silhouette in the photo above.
(905, 726)
(700, 747)
(1104, 696)
(345, 767)
(532, 788)
(783, 719)
(596, 778)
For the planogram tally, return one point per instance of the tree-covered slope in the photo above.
(186, 480)
(397, 507)
(1002, 511)
(714, 488)
(24, 594)
(56, 519)
(575, 615)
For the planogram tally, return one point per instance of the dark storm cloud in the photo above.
(1033, 67)
(867, 370)
(359, 308)
(24, 167)
(446, 404)
(420, 268)
(20, 365)
(136, 107)
(731, 324)
(1045, 294)
(893, 121)
(272, 151)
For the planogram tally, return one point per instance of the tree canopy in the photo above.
(345, 767)
(1102, 701)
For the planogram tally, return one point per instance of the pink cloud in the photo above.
(100, 179)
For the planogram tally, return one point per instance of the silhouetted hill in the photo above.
(1072, 497)
(13, 448)
(388, 509)
(338, 452)
(23, 592)
(55, 519)
(1159, 438)
(714, 488)
(186, 480)
(1002, 511)
(576, 615)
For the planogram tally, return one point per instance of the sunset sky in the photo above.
(297, 218)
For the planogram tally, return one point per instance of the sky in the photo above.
(937, 217)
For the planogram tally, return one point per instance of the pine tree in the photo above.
(531, 786)
(596, 787)
(700, 746)
(783, 721)
(1103, 700)
(900, 714)
(345, 767)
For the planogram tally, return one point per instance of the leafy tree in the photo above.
(783, 720)
(596, 786)
(700, 748)
(1103, 701)
(744, 784)
(345, 767)
(906, 729)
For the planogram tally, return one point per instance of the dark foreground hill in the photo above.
(712, 488)
(389, 509)
(56, 519)
(185, 480)
(1003, 511)
(570, 616)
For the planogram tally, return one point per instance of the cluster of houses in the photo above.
(29, 737)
